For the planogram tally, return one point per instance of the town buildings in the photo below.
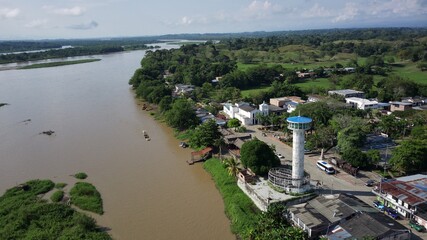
(347, 93)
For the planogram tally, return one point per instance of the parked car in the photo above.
(416, 226)
(280, 156)
(392, 213)
(370, 183)
(183, 144)
(379, 205)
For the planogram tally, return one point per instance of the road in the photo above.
(341, 182)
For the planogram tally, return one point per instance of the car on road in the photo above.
(280, 156)
(378, 205)
(416, 226)
(392, 213)
(370, 183)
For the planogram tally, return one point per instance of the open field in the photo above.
(246, 93)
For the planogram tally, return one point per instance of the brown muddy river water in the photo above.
(148, 189)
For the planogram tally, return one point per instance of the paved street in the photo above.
(337, 183)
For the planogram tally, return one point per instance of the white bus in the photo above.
(324, 166)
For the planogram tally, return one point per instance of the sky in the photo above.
(52, 19)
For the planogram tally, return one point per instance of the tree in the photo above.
(374, 156)
(181, 115)
(350, 137)
(258, 156)
(273, 225)
(355, 157)
(410, 156)
(232, 166)
(233, 123)
(205, 134)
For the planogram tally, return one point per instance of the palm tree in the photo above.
(220, 142)
(232, 166)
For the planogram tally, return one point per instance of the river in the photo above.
(149, 191)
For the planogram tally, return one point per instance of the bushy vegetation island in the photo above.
(24, 214)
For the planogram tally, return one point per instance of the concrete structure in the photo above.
(347, 216)
(298, 181)
(361, 103)
(298, 125)
(347, 93)
(400, 106)
(244, 112)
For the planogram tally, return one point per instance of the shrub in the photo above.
(57, 196)
(85, 196)
(60, 185)
(80, 175)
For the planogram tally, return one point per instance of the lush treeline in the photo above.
(18, 46)
(60, 53)
(24, 215)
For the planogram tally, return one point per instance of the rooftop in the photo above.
(299, 119)
(413, 192)
(344, 91)
(247, 108)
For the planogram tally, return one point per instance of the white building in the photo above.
(362, 103)
(244, 112)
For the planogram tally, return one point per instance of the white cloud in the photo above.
(186, 20)
(316, 11)
(85, 26)
(350, 11)
(397, 7)
(38, 23)
(72, 11)
(9, 12)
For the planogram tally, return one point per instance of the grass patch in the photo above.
(57, 196)
(57, 64)
(80, 175)
(85, 196)
(253, 91)
(410, 71)
(60, 185)
(238, 207)
(308, 83)
(23, 215)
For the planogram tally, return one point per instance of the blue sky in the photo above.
(41, 19)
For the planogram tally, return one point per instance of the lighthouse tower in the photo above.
(298, 125)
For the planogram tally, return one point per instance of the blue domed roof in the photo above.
(299, 119)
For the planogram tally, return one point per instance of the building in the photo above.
(289, 103)
(347, 93)
(183, 89)
(244, 112)
(400, 106)
(314, 98)
(407, 195)
(347, 216)
(361, 103)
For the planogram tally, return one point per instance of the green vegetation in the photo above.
(23, 215)
(80, 175)
(246, 220)
(56, 64)
(60, 185)
(205, 135)
(258, 156)
(57, 196)
(85, 196)
(238, 207)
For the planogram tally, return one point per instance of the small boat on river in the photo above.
(146, 135)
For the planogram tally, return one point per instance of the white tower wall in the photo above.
(298, 156)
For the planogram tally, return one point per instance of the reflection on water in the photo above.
(149, 191)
